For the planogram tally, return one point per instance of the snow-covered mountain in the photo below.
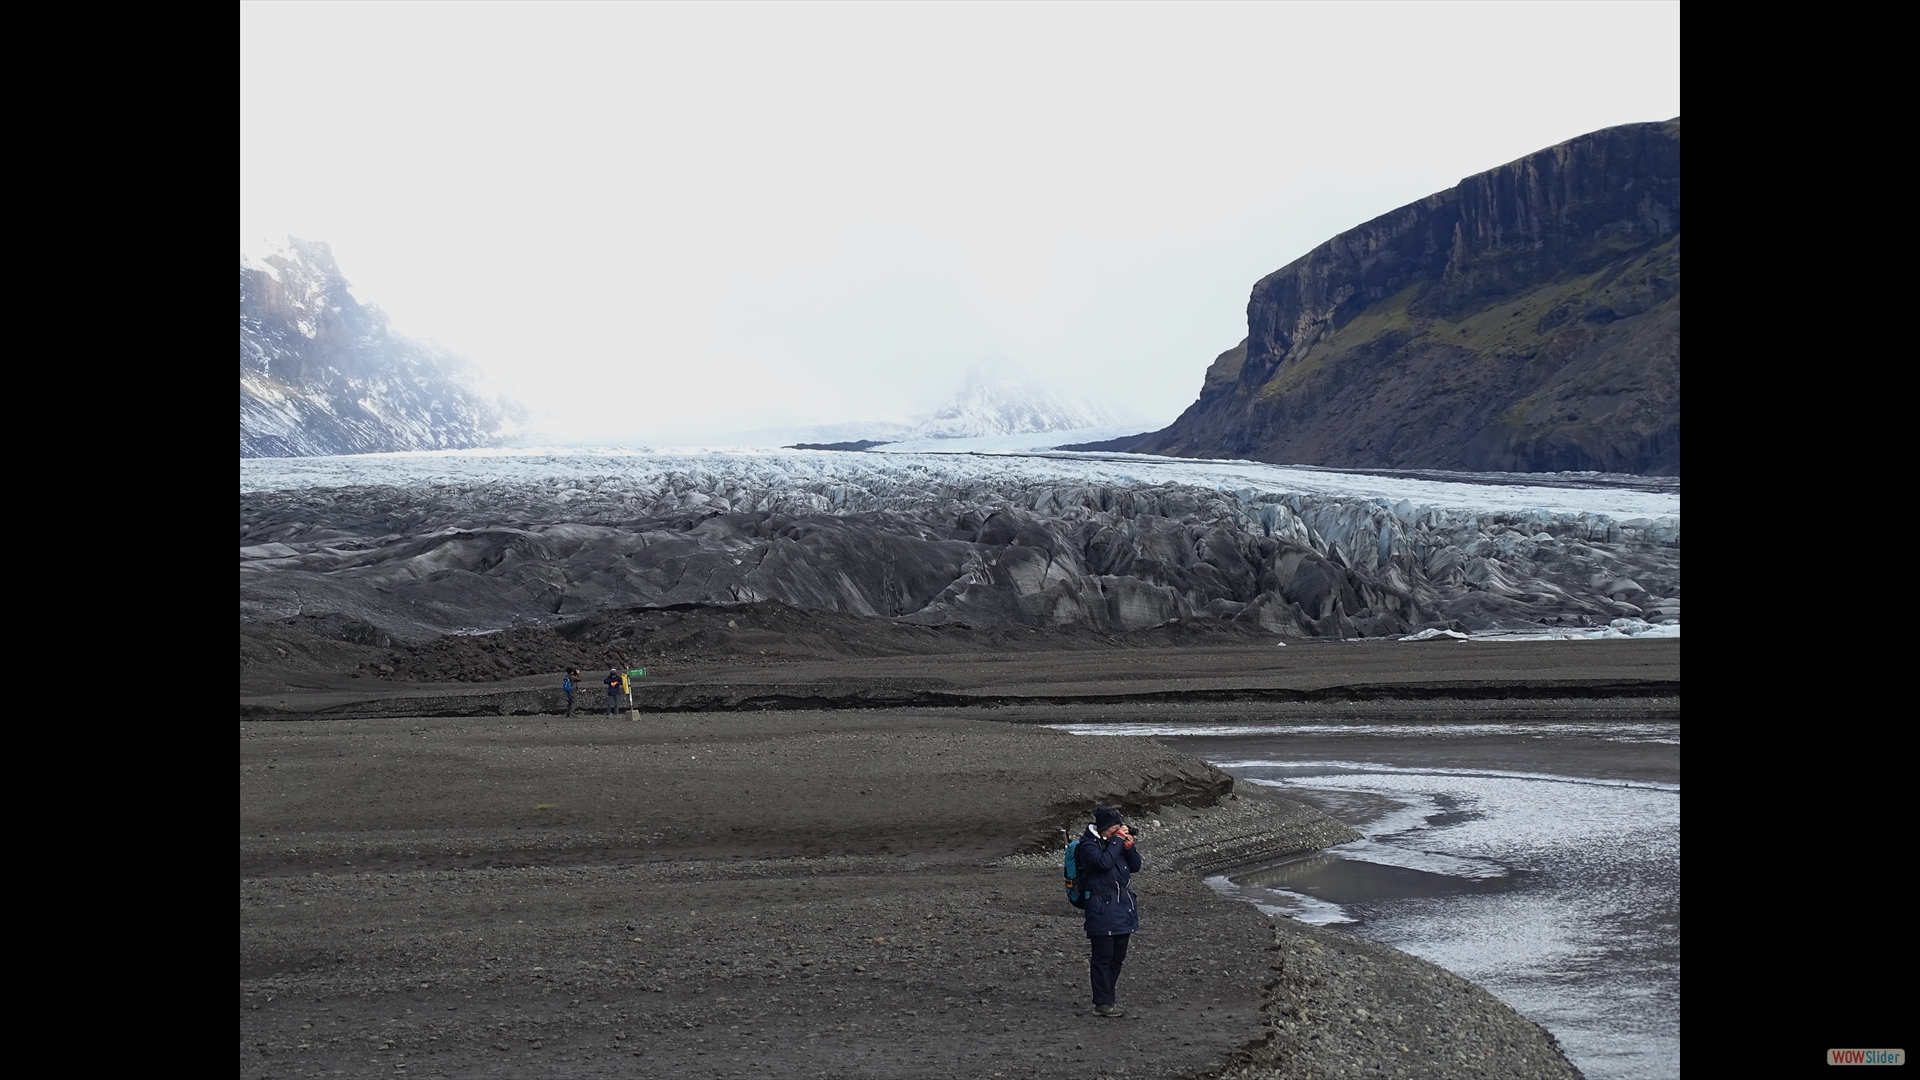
(321, 373)
(999, 402)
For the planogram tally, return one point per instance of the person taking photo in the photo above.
(1106, 862)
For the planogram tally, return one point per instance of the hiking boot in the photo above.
(1109, 1010)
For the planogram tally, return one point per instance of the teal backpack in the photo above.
(1075, 896)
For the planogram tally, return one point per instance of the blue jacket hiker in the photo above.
(1106, 862)
(566, 683)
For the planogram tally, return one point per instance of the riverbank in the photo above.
(783, 893)
(1337, 1005)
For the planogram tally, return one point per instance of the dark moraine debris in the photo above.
(1123, 444)
(856, 445)
(409, 564)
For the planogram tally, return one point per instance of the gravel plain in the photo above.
(854, 893)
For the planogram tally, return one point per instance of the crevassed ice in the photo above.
(768, 468)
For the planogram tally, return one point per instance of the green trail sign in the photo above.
(626, 683)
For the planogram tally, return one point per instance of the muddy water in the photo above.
(1540, 860)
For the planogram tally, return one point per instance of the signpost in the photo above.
(626, 683)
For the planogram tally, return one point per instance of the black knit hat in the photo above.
(1106, 817)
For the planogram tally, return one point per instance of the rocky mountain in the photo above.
(1526, 320)
(321, 373)
(1005, 402)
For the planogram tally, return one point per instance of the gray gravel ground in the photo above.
(1340, 1006)
(476, 793)
(829, 967)
(1324, 674)
(782, 894)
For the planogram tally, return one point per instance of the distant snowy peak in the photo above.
(320, 373)
(1000, 403)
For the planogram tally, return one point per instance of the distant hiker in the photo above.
(567, 684)
(1106, 861)
(613, 690)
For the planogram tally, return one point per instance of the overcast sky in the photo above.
(658, 220)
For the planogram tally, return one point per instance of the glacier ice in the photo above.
(423, 542)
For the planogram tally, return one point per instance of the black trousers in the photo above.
(1109, 952)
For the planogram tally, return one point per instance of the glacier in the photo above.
(415, 544)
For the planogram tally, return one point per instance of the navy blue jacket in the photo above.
(1105, 868)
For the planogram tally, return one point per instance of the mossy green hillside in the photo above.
(1525, 320)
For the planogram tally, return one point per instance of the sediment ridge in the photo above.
(1329, 674)
(1238, 830)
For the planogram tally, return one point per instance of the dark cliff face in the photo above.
(1527, 319)
(320, 373)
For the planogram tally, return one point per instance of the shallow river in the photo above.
(1540, 860)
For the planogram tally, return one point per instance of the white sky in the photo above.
(654, 220)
